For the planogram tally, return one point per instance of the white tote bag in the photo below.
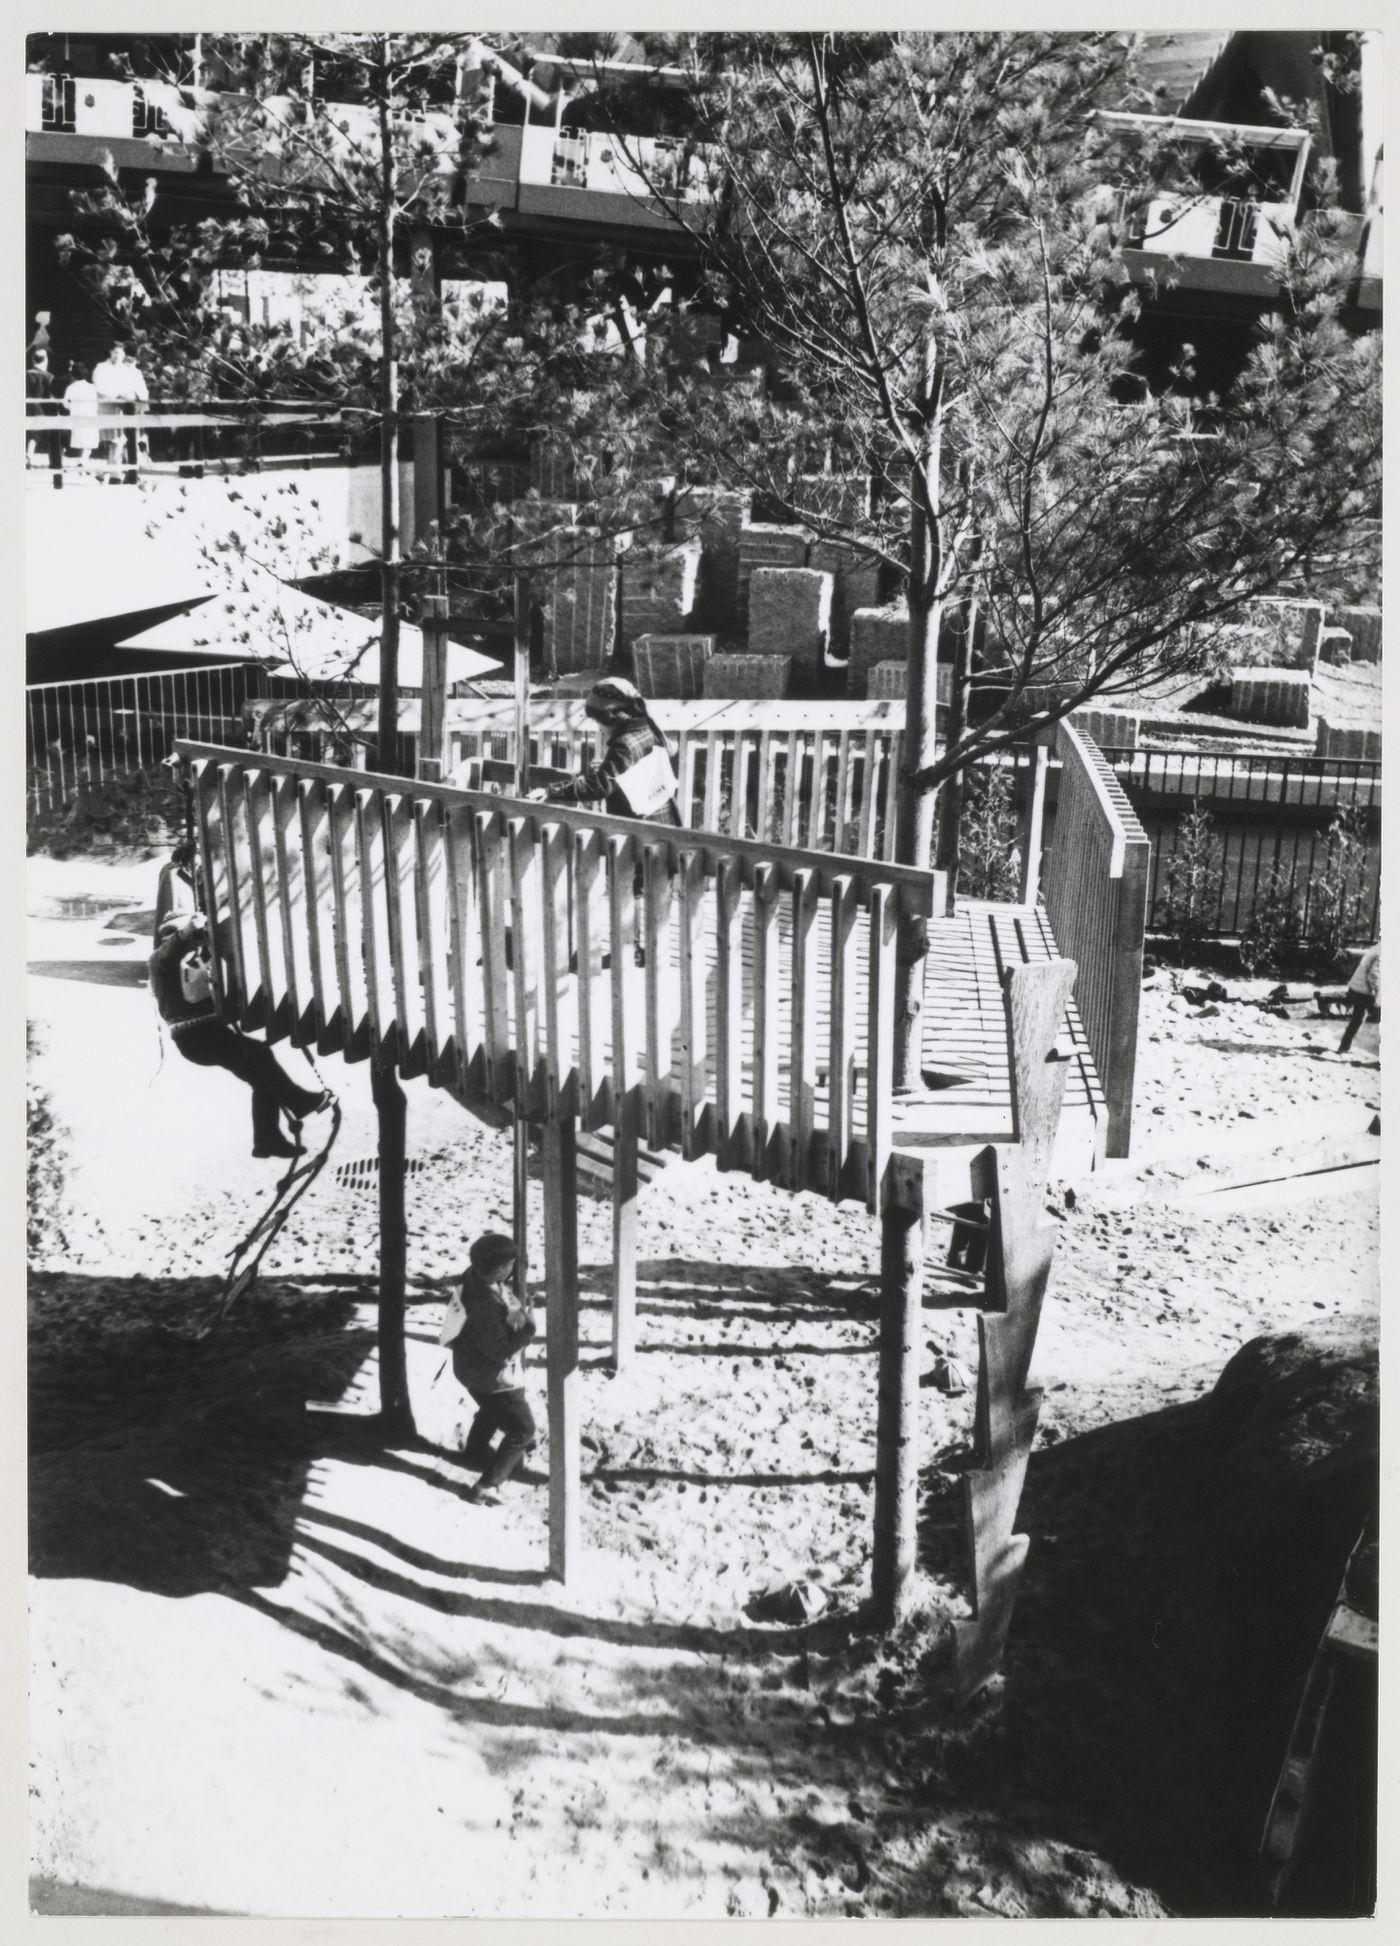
(650, 783)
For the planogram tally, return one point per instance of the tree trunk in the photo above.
(391, 1107)
(914, 825)
(952, 796)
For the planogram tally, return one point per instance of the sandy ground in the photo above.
(278, 1670)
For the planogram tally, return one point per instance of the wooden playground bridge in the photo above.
(678, 987)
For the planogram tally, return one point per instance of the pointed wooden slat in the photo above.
(591, 947)
(430, 892)
(763, 821)
(660, 994)
(696, 1113)
(349, 923)
(558, 987)
(841, 1050)
(466, 936)
(293, 911)
(715, 747)
(267, 929)
(870, 803)
(766, 1033)
(239, 931)
(213, 859)
(802, 1070)
(734, 1127)
(792, 785)
(843, 794)
(374, 917)
(401, 909)
(628, 1030)
(493, 893)
(314, 814)
(527, 957)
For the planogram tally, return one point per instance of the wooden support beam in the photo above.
(897, 1420)
(1030, 836)
(561, 1345)
(628, 1035)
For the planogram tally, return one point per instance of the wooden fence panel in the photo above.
(1095, 888)
(494, 945)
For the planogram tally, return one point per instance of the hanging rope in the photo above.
(249, 1252)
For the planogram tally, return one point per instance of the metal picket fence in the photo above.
(1266, 810)
(92, 732)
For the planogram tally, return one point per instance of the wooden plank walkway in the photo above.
(968, 1097)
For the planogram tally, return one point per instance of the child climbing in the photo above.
(634, 777)
(182, 984)
(487, 1330)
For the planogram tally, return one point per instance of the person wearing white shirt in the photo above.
(1363, 994)
(80, 400)
(119, 386)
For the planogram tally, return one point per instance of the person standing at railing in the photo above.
(80, 399)
(120, 388)
(634, 777)
(40, 448)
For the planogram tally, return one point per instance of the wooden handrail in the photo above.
(1096, 898)
(557, 961)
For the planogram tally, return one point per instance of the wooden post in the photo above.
(1130, 927)
(1007, 1406)
(627, 1029)
(1031, 836)
(432, 730)
(561, 1346)
(522, 684)
(520, 1129)
(897, 1423)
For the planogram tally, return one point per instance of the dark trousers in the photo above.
(503, 1412)
(209, 1044)
(1362, 1008)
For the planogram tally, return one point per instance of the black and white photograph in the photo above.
(702, 919)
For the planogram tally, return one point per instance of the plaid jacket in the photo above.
(627, 745)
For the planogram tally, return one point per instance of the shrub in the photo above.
(1272, 934)
(989, 865)
(1191, 886)
(1337, 913)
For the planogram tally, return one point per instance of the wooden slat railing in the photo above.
(1095, 889)
(493, 945)
(824, 776)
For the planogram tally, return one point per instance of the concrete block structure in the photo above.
(762, 545)
(1275, 633)
(720, 517)
(671, 665)
(1110, 729)
(790, 614)
(658, 587)
(854, 585)
(1334, 645)
(1364, 627)
(578, 602)
(1333, 741)
(1282, 697)
(877, 635)
(888, 682)
(761, 677)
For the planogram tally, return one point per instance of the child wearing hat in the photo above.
(634, 777)
(486, 1348)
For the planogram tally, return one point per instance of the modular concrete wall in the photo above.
(790, 614)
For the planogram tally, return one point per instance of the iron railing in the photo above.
(1267, 811)
(84, 734)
